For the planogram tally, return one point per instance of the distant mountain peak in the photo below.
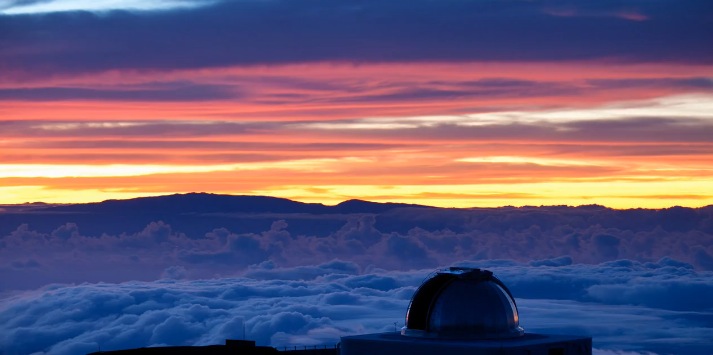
(355, 201)
(203, 202)
(195, 202)
(363, 206)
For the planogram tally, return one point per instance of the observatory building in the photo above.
(463, 311)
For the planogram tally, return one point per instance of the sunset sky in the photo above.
(446, 103)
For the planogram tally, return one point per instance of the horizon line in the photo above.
(298, 200)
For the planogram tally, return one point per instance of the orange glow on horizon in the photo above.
(465, 135)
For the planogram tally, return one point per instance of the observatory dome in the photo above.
(463, 303)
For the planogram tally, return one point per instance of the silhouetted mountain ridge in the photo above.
(361, 206)
(194, 203)
(196, 214)
(214, 203)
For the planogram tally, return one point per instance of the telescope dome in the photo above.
(463, 303)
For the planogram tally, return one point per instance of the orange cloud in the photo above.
(472, 133)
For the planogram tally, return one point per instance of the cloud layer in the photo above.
(624, 305)
(299, 274)
(396, 239)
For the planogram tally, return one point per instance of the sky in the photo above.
(446, 103)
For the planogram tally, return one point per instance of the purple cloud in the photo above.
(235, 33)
(396, 239)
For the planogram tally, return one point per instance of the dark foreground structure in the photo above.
(457, 311)
(231, 347)
(464, 311)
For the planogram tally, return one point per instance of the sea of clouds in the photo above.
(626, 306)
(638, 289)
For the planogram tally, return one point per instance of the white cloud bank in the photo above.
(626, 306)
(38, 7)
(637, 281)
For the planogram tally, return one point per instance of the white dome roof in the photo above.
(463, 303)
